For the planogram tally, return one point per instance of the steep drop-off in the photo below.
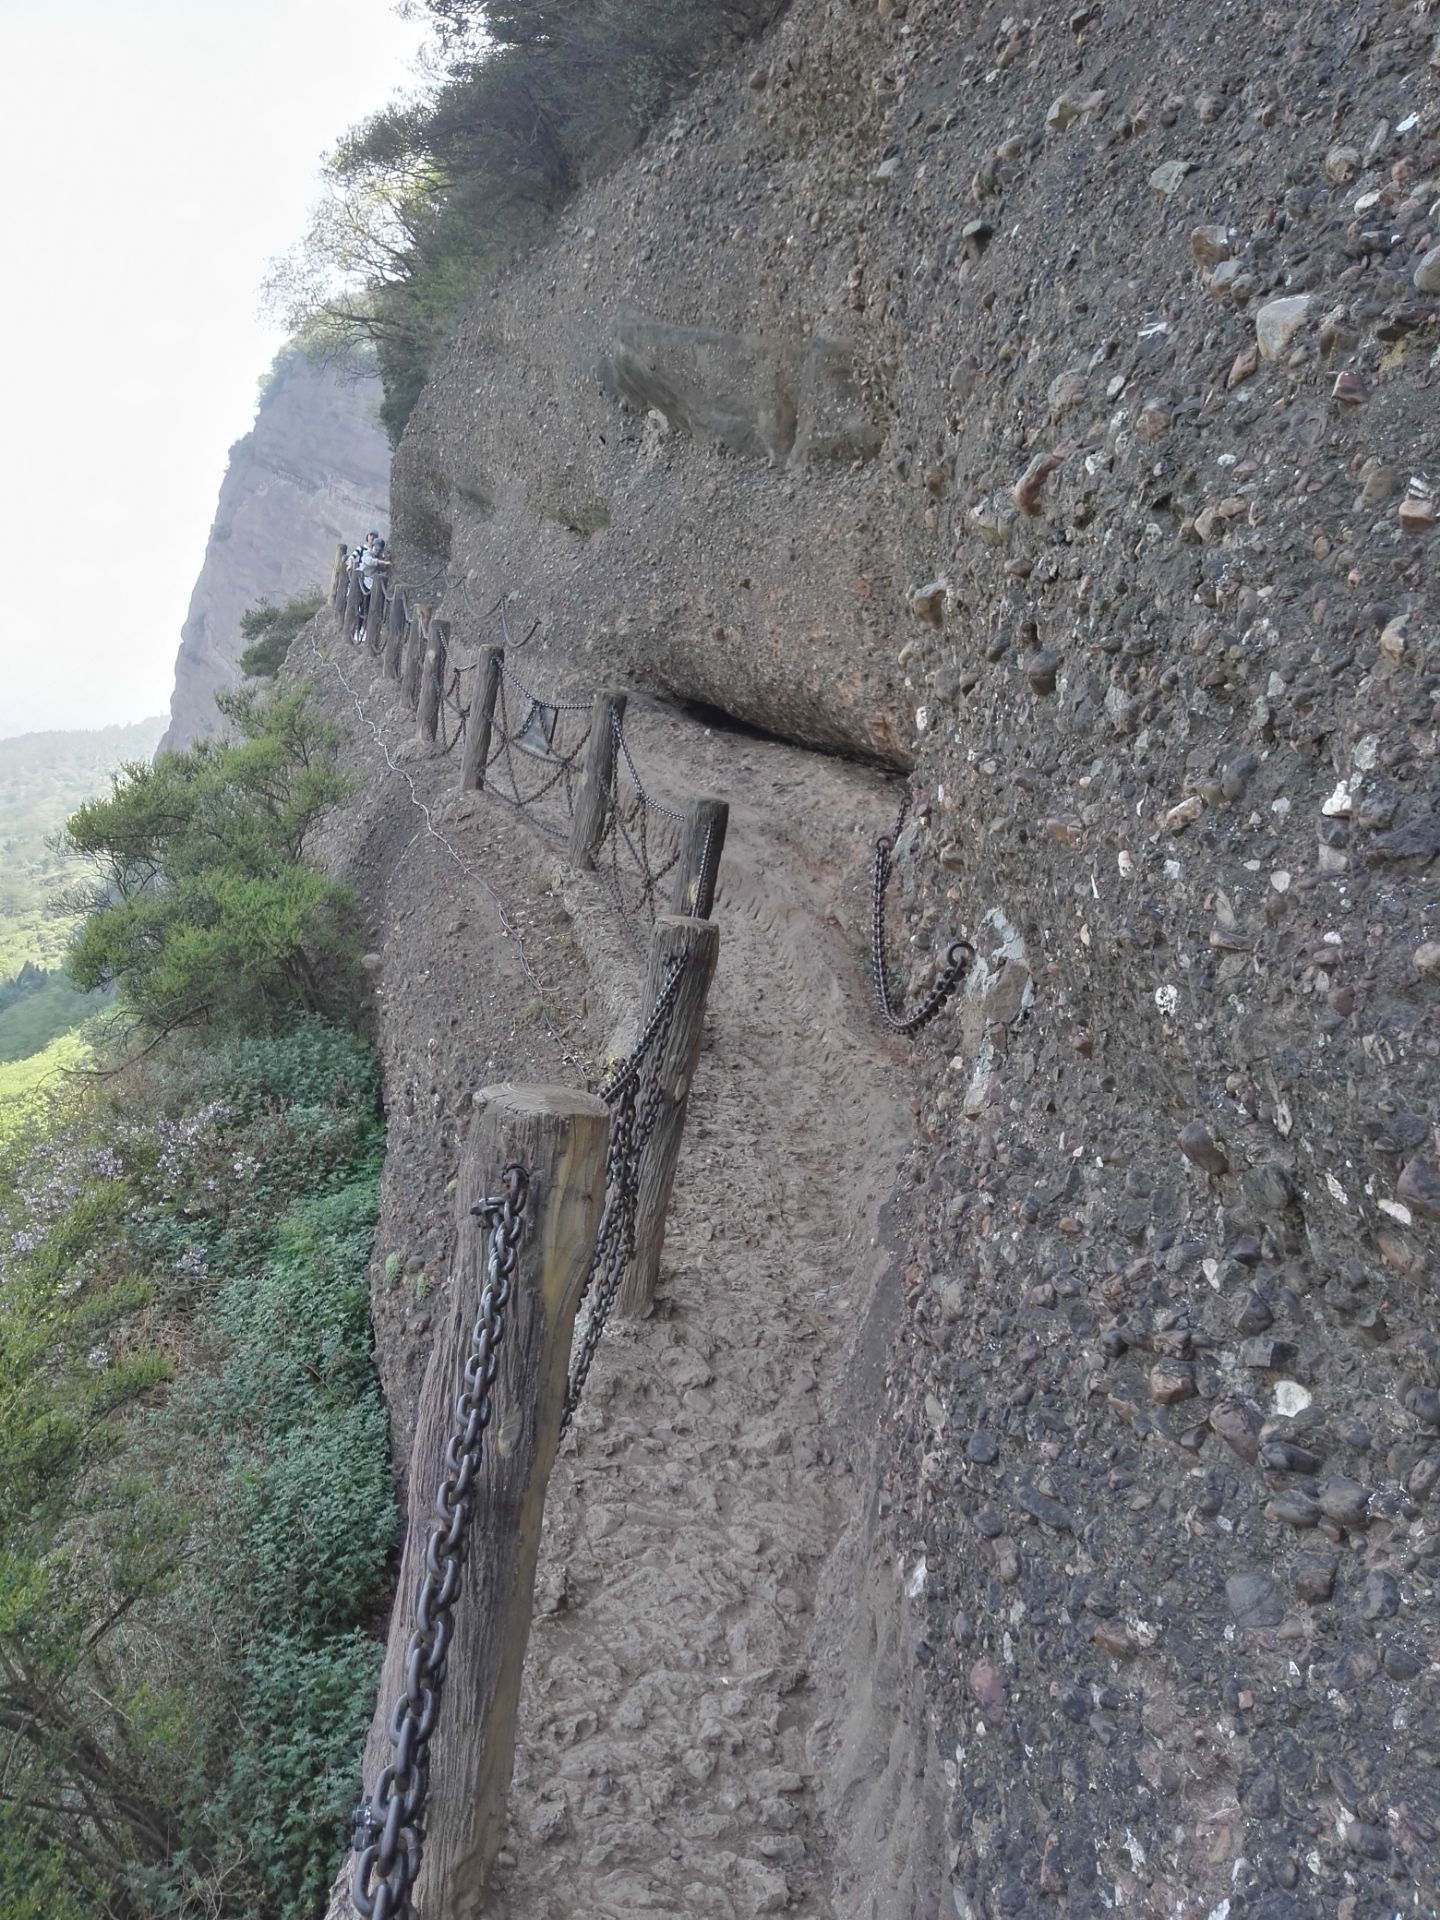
(313, 470)
(1045, 406)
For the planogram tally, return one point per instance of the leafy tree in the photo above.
(426, 199)
(272, 630)
(205, 909)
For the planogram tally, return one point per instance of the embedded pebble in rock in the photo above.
(1427, 272)
(1197, 1144)
(1426, 960)
(1043, 670)
(1278, 322)
(1211, 245)
(1379, 1596)
(1419, 1187)
(1254, 1600)
(1293, 1509)
(1314, 1575)
(988, 1687)
(1168, 176)
(1344, 1501)
(1171, 1381)
(982, 1448)
(1238, 1426)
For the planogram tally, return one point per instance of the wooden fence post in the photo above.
(559, 1135)
(700, 850)
(396, 617)
(432, 683)
(350, 618)
(337, 580)
(697, 942)
(415, 630)
(592, 801)
(375, 614)
(482, 718)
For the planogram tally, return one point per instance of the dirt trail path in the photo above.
(663, 1762)
(664, 1758)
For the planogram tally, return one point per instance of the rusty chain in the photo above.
(959, 954)
(633, 1113)
(389, 1827)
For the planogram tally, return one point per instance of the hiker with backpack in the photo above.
(368, 561)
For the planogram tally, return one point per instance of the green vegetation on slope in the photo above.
(271, 632)
(426, 199)
(195, 1510)
(204, 910)
(195, 1507)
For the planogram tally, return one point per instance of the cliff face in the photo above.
(314, 469)
(1046, 404)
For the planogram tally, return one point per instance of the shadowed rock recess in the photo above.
(1043, 405)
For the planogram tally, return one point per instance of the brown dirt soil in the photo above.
(667, 1755)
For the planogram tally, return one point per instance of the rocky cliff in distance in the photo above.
(314, 469)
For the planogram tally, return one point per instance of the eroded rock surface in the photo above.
(1141, 580)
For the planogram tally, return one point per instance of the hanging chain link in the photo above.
(632, 1121)
(959, 954)
(389, 1826)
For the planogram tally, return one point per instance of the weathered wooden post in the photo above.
(432, 681)
(592, 801)
(375, 613)
(479, 725)
(415, 630)
(559, 1136)
(350, 618)
(697, 942)
(396, 618)
(700, 850)
(337, 580)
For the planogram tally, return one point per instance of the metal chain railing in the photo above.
(557, 772)
(634, 1098)
(450, 703)
(632, 869)
(959, 954)
(389, 1827)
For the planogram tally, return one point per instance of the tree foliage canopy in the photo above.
(426, 199)
(204, 908)
(272, 631)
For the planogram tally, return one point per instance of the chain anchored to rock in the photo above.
(389, 1827)
(959, 954)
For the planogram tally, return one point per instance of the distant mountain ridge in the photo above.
(313, 470)
(44, 777)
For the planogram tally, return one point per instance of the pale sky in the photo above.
(156, 154)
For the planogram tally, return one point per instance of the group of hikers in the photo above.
(368, 562)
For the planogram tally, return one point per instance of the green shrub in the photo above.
(196, 1513)
(272, 631)
(205, 911)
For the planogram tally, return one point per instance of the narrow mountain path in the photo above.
(664, 1763)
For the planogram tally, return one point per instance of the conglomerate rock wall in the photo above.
(1045, 403)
